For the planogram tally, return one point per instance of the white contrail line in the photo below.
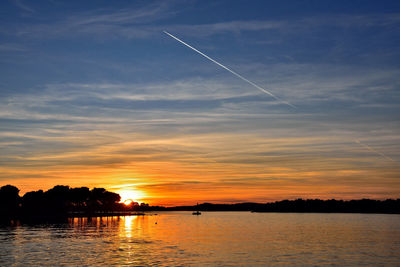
(373, 150)
(263, 90)
(231, 71)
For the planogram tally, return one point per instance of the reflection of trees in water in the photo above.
(95, 222)
(87, 241)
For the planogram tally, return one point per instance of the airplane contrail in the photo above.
(262, 89)
(373, 150)
(231, 71)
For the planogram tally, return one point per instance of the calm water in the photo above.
(214, 238)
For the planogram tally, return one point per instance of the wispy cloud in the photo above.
(373, 150)
(10, 47)
(133, 23)
(23, 6)
(128, 16)
(127, 23)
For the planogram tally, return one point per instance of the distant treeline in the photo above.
(332, 205)
(308, 205)
(62, 201)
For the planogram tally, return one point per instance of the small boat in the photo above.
(196, 212)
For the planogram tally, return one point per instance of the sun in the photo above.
(128, 196)
(128, 202)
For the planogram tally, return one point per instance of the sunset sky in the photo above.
(93, 93)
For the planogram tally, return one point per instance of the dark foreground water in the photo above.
(211, 239)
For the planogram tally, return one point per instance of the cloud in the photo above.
(295, 26)
(269, 162)
(235, 27)
(306, 85)
(23, 6)
(126, 16)
(125, 22)
(10, 47)
(145, 22)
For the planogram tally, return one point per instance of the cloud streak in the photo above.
(373, 150)
(23, 6)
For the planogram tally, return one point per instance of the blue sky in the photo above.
(95, 93)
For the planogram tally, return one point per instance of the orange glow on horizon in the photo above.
(184, 170)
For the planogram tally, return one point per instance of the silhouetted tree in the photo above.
(57, 199)
(110, 200)
(95, 199)
(79, 198)
(9, 200)
(34, 203)
(102, 200)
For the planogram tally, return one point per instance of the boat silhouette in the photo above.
(196, 212)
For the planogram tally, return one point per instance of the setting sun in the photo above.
(128, 196)
(128, 202)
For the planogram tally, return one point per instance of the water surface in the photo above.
(213, 238)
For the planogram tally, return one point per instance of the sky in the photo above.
(94, 93)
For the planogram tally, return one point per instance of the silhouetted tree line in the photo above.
(332, 205)
(301, 205)
(61, 201)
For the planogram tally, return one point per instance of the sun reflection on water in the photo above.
(129, 222)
